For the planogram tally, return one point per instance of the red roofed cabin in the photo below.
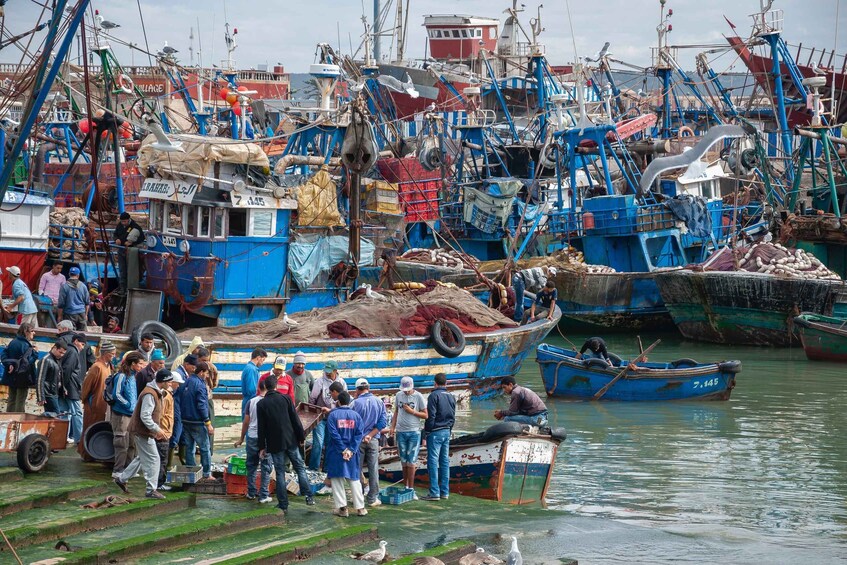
(460, 37)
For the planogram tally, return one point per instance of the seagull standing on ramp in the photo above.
(479, 557)
(374, 556)
(514, 557)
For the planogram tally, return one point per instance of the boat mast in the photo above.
(376, 30)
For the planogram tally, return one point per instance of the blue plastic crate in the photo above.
(396, 495)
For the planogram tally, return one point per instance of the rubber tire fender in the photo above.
(440, 345)
(502, 429)
(595, 363)
(161, 331)
(615, 359)
(559, 434)
(684, 362)
(33, 453)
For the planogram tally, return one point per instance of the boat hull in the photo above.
(742, 308)
(567, 377)
(514, 470)
(613, 301)
(824, 338)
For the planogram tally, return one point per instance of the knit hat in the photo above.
(157, 355)
(299, 357)
(107, 347)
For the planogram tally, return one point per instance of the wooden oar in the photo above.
(620, 375)
(640, 345)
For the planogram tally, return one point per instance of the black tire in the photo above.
(559, 434)
(455, 338)
(162, 332)
(730, 366)
(615, 359)
(502, 429)
(684, 362)
(33, 452)
(595, 363)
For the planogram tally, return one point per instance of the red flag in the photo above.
(732, 25)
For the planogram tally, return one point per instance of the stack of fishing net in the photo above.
(440, 257)
(771, 258)
(65, 241)
(371, 314)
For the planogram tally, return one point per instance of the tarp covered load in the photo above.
(389, 315)
(317, 201)
(199, 154)
(485, 212)
(771, 258)
(310, 256)
(693, 211)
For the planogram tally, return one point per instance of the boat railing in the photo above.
(73, 191)
(767, 23)
(566, 223)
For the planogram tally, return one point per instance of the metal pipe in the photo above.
(815, 135)
(307, 160)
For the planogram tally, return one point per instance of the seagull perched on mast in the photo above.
(167, 51)
(102, 23)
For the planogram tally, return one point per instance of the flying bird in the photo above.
(600, 54)
(514, 557)
(162, 142)
(394, 84)
(374, 556)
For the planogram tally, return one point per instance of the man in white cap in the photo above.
(302, 379)
(74, 300)
(284, 383)
(22, 299)
(372, 412)
(409, 414)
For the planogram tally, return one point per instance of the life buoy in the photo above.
(125, 84)
(684, 362)
(685, 131)
(440, 344)
(162, 332)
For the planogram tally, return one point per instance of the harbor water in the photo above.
(761, 478)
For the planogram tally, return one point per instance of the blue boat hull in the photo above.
(567, 377)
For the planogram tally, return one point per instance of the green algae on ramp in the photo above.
(446, 553)
(15, 499)
(98, 519)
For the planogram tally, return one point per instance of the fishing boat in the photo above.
(507, 462)
(824, 338)
(684, 379)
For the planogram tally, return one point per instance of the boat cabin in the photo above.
(459, 38)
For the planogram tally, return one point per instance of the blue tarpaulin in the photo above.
(693, 211)
(309, 257)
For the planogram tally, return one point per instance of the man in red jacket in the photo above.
(284, 383)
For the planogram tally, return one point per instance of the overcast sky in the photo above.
(287, 31)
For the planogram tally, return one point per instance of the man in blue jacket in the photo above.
(24, 375)
(344, 432)
(194, 409)
(441, 415)
(250, 377)
(372, 412)
(74, 300)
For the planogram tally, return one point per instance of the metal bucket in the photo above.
(98, 442)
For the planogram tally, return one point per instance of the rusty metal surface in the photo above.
(14, 427)
(309, 415)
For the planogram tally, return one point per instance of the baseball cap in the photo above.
(125, 216)
(279, 363)
(164, 376)
(14, 271)
(330, 366)
(74, 271)
(157, 355)
(178, 377)
(362, 383)
(407, 384)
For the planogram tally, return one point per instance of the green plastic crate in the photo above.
(237, 465)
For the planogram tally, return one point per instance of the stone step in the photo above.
(449, 553)
(47, 496)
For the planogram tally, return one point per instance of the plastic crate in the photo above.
(218, 486)
(237, 484)
(185, 474)
(237, 465)
(396, 495)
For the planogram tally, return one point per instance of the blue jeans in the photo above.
(51, 404)
(317, 445)
(253, 465)
(408, 446)
(293, 455)
(438, 462)
(196, 434)
(369, 456)
(74, 410)
(539, 419)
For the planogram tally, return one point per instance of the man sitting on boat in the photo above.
(594, 348)
(546, 298)
(525, 406)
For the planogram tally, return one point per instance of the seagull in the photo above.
(427, 560)
(479, 557)
(106, 24)
(816, 69)
(600, 54)
(392, 83)
(514, 557)
(370, 293)
(168, 50)
(374, 556)
(288, 321)
(163, 143)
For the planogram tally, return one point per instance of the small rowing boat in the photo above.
(684, 379)
(824, 338)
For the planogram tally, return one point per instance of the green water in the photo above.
(760, 478)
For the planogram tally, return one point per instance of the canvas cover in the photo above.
(310, 256)
(317, 201)
(199, 154)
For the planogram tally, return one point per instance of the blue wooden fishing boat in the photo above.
(685, 379)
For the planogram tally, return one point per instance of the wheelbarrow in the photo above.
(32, 437)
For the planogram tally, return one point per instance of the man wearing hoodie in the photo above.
(74, 300)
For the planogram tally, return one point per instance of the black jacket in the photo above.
(15, 350)
(72, 373)
(49, 378)
(441, 410)
(279, 425)
(122, 232)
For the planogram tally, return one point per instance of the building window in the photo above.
(237, 222)
(220, 222)
(455, 33)
(492, 33)
(205, 221)
(464, 33)
(262, 222)
(479, 32)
